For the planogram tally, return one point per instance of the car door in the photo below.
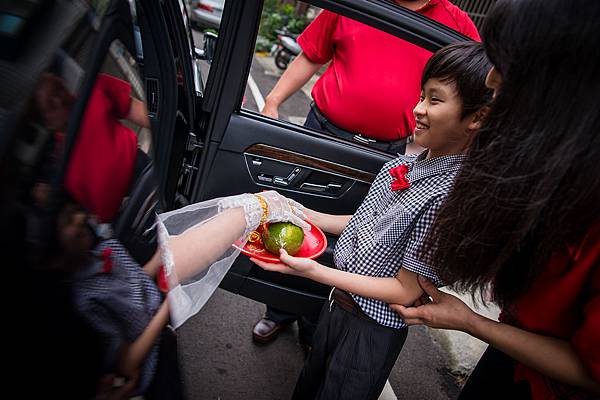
(231, 150)
(62, 62)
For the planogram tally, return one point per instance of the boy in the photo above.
(378, 255)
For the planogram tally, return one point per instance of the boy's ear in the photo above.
(478, 118)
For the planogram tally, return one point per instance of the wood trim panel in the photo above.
(275, 153)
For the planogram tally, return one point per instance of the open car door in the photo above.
(230, 150)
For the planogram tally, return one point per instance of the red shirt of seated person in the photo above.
(103, 157)
(373, 81)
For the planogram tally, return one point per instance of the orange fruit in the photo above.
(283, 235)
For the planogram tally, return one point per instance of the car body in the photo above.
(204, 143)
(206, 13)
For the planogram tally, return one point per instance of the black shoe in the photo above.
(265, 331)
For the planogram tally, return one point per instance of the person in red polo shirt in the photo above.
(372, 82)
(366, 94)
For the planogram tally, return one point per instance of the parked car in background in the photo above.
(206, 13)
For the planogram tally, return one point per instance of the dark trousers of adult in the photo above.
(351, 358)
(317, 120)
(493, 379)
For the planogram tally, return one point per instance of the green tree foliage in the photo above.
(274, 17)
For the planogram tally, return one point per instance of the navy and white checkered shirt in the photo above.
(387, 230)
(118, 304)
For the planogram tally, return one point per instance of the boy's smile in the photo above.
(439, 123)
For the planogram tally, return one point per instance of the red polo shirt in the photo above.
(103, 158)
(373, 81)
(564, 302)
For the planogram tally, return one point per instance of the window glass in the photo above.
(204, 18)
(330, 73)
(57, 212)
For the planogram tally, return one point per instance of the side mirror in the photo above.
(208, 51)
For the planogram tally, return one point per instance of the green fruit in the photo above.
(283, 235)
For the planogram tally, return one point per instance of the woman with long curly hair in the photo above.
(523, 221)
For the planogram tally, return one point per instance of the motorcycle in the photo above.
(286, 48)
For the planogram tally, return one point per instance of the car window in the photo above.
(204, 19)
(280, 21)
(67, 95)
(356, 82)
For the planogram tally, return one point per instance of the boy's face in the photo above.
(440, 127)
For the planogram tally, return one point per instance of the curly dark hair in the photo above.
(530, 183)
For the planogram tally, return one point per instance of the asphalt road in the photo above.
(220, 361)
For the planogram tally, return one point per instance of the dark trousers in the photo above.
(493, 379)
(306, 324)
(351, 358)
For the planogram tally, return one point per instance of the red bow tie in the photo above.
(107, 266)
(399, 174)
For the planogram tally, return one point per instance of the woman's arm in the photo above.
(192, 251)
(403, 289)
(191, 254)
(330, 223)
(135, 354)
(138, 113)
(196, 249)
(552, 357)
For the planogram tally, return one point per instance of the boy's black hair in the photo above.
(466, 65)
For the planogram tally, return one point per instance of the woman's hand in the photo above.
(290, 265)
(268, 206)
(445, 311)
(551, 356)
(282, 209)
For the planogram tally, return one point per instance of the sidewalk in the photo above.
(268, 64)
(463, 350)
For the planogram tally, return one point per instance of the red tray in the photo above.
(313, 246)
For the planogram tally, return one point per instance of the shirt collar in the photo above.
(423, 168)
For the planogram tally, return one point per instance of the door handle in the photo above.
(281, 181)
(314, 187)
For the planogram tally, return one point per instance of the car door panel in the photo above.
(237, 151)
(321, 159)
(321, 162)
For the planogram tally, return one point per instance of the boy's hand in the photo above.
(289, 265)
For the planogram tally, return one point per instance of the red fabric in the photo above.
(400, 181)
(161, 279)
(373, 81)
(102, 161)
(106, 256)
(564, 303)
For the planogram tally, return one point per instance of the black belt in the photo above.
(347, 303)
(392, 146)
